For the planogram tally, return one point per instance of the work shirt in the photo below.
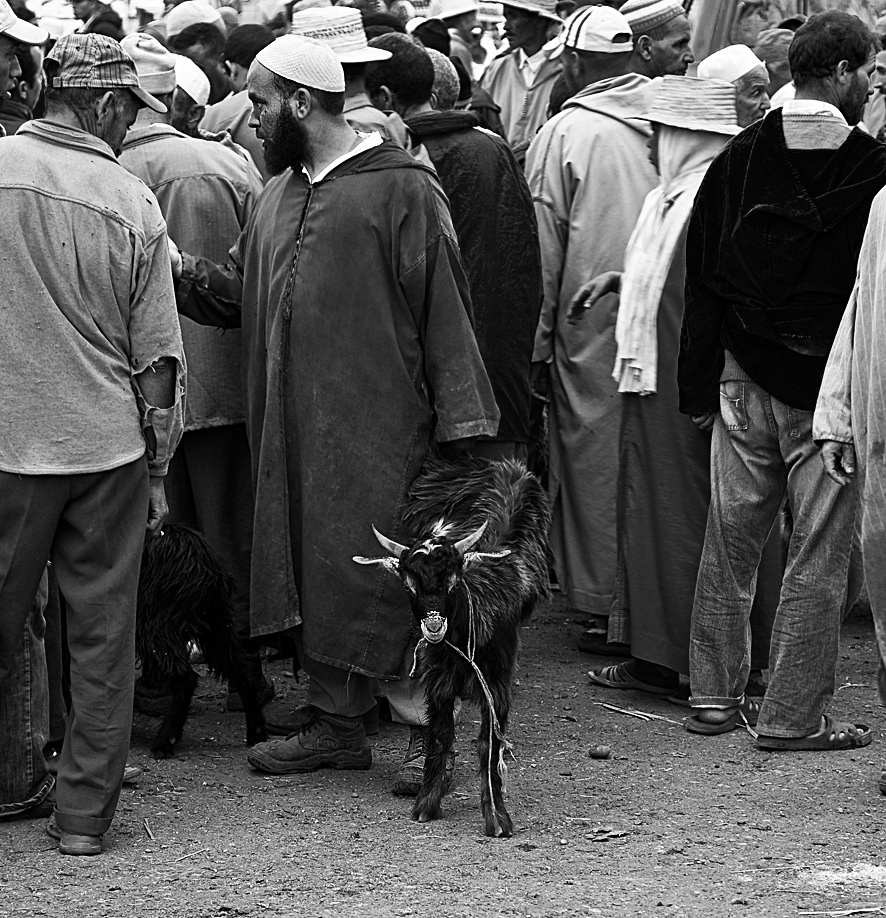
(206, 193)
(87, 303)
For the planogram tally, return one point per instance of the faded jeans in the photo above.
(762, 449)
(24, 719)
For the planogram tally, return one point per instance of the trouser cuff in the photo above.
(81, 825)
(717, 702)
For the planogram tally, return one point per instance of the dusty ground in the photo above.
(671, 825)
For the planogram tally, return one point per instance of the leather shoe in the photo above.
(69, 843)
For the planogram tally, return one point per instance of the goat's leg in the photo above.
(439, 736)
(170, 732)
(489, 748)
(256, 731)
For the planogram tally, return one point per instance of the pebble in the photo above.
(599, 752)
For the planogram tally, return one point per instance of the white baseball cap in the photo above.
(596, 28)
(19, 30)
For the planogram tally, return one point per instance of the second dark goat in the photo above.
(475, 573)
(184, 596)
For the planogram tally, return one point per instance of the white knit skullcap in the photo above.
(304, 61)
(190, 78)
(730, 64)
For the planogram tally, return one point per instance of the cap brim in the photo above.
(148, 100)
(364, 56)
(25, 33)
(528, 8)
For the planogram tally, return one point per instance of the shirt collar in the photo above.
(64, 136)
(812, 107)
(367, 143)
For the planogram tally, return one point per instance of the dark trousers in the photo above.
(209, 488)
(93, 528)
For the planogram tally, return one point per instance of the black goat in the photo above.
(474, 575)
(184, 595)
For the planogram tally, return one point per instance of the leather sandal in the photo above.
(833, 735)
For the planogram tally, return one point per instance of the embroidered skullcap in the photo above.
(772, 45)
(190, 78)
(645, 15)
(304, 61)
(190, 13)
(730, 64)
(311, 5)
(694, 104)
(341, 29)
(154, 65)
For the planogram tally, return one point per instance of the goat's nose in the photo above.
(434, 624)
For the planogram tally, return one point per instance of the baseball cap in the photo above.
(154, 65)
(596, 28)
(91, 61)
(303, 61)
(19, 30)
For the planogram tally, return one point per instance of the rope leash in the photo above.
(505, 747)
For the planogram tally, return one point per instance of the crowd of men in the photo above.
(257, 273)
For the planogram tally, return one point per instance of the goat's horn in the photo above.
(394, 548)
(469, 541)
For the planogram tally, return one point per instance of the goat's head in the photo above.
(430, 571)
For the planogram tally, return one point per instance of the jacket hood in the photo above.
(624, 98)
(433, 124)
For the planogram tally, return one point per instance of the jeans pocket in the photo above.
(733, 409)
(801, 423)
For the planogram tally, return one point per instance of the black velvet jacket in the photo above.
(772, 251)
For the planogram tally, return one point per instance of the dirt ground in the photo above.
(670, 825)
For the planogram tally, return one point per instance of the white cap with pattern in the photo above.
(341, 28)
(729, 64)
(304, 61)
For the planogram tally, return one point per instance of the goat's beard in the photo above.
(285, 145)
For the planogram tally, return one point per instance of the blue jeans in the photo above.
(24, 719)
(761, 450)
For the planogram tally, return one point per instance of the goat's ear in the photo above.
(390, 564)
(472, 557)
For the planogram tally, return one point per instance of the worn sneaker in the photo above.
(326, 741)
(68, 843)
(411, 773)
(266, 695)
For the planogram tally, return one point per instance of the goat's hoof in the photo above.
(259, 737)
(162, 752)
(425, 813)
(499, 825)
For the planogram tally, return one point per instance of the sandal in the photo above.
(834, 734)
(745, 715)
(618, 677)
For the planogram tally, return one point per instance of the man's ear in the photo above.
(643, 46)
(195, 116)
(842, 71)
(433, 100)
(383, 99)
(104, 107)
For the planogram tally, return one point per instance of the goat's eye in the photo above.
(453, 580)
(409, 580)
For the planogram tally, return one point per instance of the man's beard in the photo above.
(285, 146)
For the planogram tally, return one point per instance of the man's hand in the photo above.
(839, 461)
(175, 256)
(539, 375)
(158, 509)
(587, 296)
(704, 421)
